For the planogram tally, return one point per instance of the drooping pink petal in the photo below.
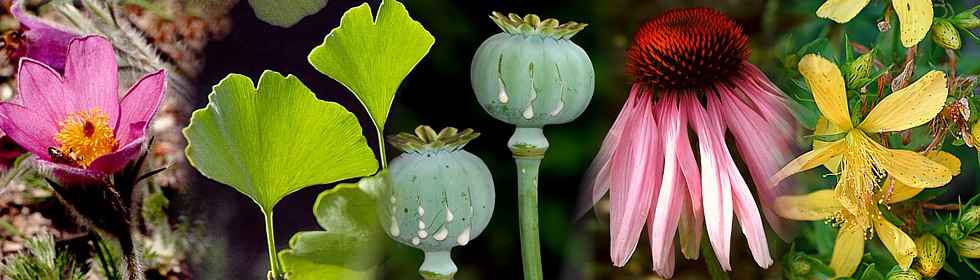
(715, 189)
(28, 128)
(596, 180)
(91, 75)
(65, 175)
(763, 152)
(744, 205)
(690, 227)
(662, 223)
(139, 105)
(667, 271)
(42, 89)
(635, 168)
(114, 161)
(44, 42)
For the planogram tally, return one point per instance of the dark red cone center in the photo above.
(686, 49)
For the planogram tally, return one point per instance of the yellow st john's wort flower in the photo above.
(914, 16)
(864, 162)
(856, 228)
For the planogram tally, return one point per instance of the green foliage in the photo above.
(351, 242)
(372, 57)
(41, 262)
(270, 141)
(285, 13)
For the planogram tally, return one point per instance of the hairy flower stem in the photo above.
(528, 146)
(276, 272)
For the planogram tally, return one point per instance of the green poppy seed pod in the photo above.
(532, 74)
(899, 274)
(932, 255)
(971, 217)
(945, 34)
(859, 68)
(969, 247)
(438, 197)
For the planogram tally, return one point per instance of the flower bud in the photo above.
(945, 35)
(968, 22)
(954, 232)
(971, 217)
(969, 247)
(899, 274)
(932, 255)
(532, 74)
(859, 69)
(800, 267)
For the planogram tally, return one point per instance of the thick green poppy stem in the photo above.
(438, 265)
(270, 236)
(528, 146)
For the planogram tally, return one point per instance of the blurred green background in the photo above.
(437, 93)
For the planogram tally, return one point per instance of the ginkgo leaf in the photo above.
(372, 57)
(270, 141)
(351, 243)
(285, 13)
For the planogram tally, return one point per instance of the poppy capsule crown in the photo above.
(686, 49)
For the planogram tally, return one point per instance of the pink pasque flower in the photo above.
(77, 125)
(690, 70)
(44, 41)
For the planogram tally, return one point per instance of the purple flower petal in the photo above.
(65, 175)
(139, 105)
(28, 128)
(91, 74)
(43, 90)
(112, 162)
(45, 43)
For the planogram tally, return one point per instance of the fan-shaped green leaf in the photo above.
(270, 141)
(351, 244)
(372, 57)
(285, 13)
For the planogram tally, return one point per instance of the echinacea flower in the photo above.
(44, 41)
(864, 162)
(683, 60)
(855, 229)
(914, 16)
(77, 125)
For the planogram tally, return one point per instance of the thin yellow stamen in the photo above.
(86, 135)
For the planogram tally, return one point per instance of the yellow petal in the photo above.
(815, 206)
(909, 107)
(827, 85)
(946, 159)
(848, 250)
(841, 11)
(914, 169)
(914, 18)
(902, 192)
(808, 161)
(896, 241)
(825, 127)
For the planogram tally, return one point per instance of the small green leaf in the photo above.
(959, 142)
(814, 46)
(270, 141)
(889, 216)
(351, 244)
(371, 58)
(285, 13)
(827, 137)
(871, 273)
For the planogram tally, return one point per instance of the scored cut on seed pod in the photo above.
(532, 74)
(438, 196)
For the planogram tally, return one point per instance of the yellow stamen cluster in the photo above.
(86, 135)
(861, 172)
